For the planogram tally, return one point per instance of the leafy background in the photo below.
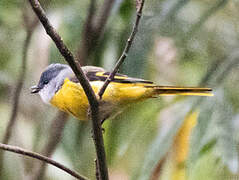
(182, 42)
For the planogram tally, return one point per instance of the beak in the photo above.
(35, 89)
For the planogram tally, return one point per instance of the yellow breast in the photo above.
(72, 99)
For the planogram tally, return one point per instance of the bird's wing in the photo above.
(98, 74)
(118, 78)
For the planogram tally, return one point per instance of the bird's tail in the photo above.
(187, 91)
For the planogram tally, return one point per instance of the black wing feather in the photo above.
(119, 78)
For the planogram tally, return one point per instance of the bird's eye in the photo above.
(46, 82)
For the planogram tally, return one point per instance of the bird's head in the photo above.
(51, 80)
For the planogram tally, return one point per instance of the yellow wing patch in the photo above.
(102, 74)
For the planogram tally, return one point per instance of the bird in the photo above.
(59, 87)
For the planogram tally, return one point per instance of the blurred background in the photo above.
(179, 42)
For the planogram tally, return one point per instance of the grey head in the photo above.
(51, 80)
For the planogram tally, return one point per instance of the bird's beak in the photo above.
(35, 89)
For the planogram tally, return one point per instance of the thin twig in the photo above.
(126, 49)
(54, 138)
(40, 157)
(94, 104)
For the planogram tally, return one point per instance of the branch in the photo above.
(102, 18)
(87, 35)
(93, 28)
(54, 138)
(17, 92)
(29, 26)
(20, 81)
(94, 104)
(40, 157)
(139, 7)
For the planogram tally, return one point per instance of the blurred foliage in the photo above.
(183, 42)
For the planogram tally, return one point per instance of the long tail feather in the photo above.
(188, 91)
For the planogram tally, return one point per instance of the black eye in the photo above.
(46, 82)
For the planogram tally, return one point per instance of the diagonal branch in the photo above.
(101, 19)
(94, 104)
(94, 28)
(30, 27)
(40, 157)
(139, 7)
(17, 92)
(87, 35)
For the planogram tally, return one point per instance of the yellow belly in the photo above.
(72, 99)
